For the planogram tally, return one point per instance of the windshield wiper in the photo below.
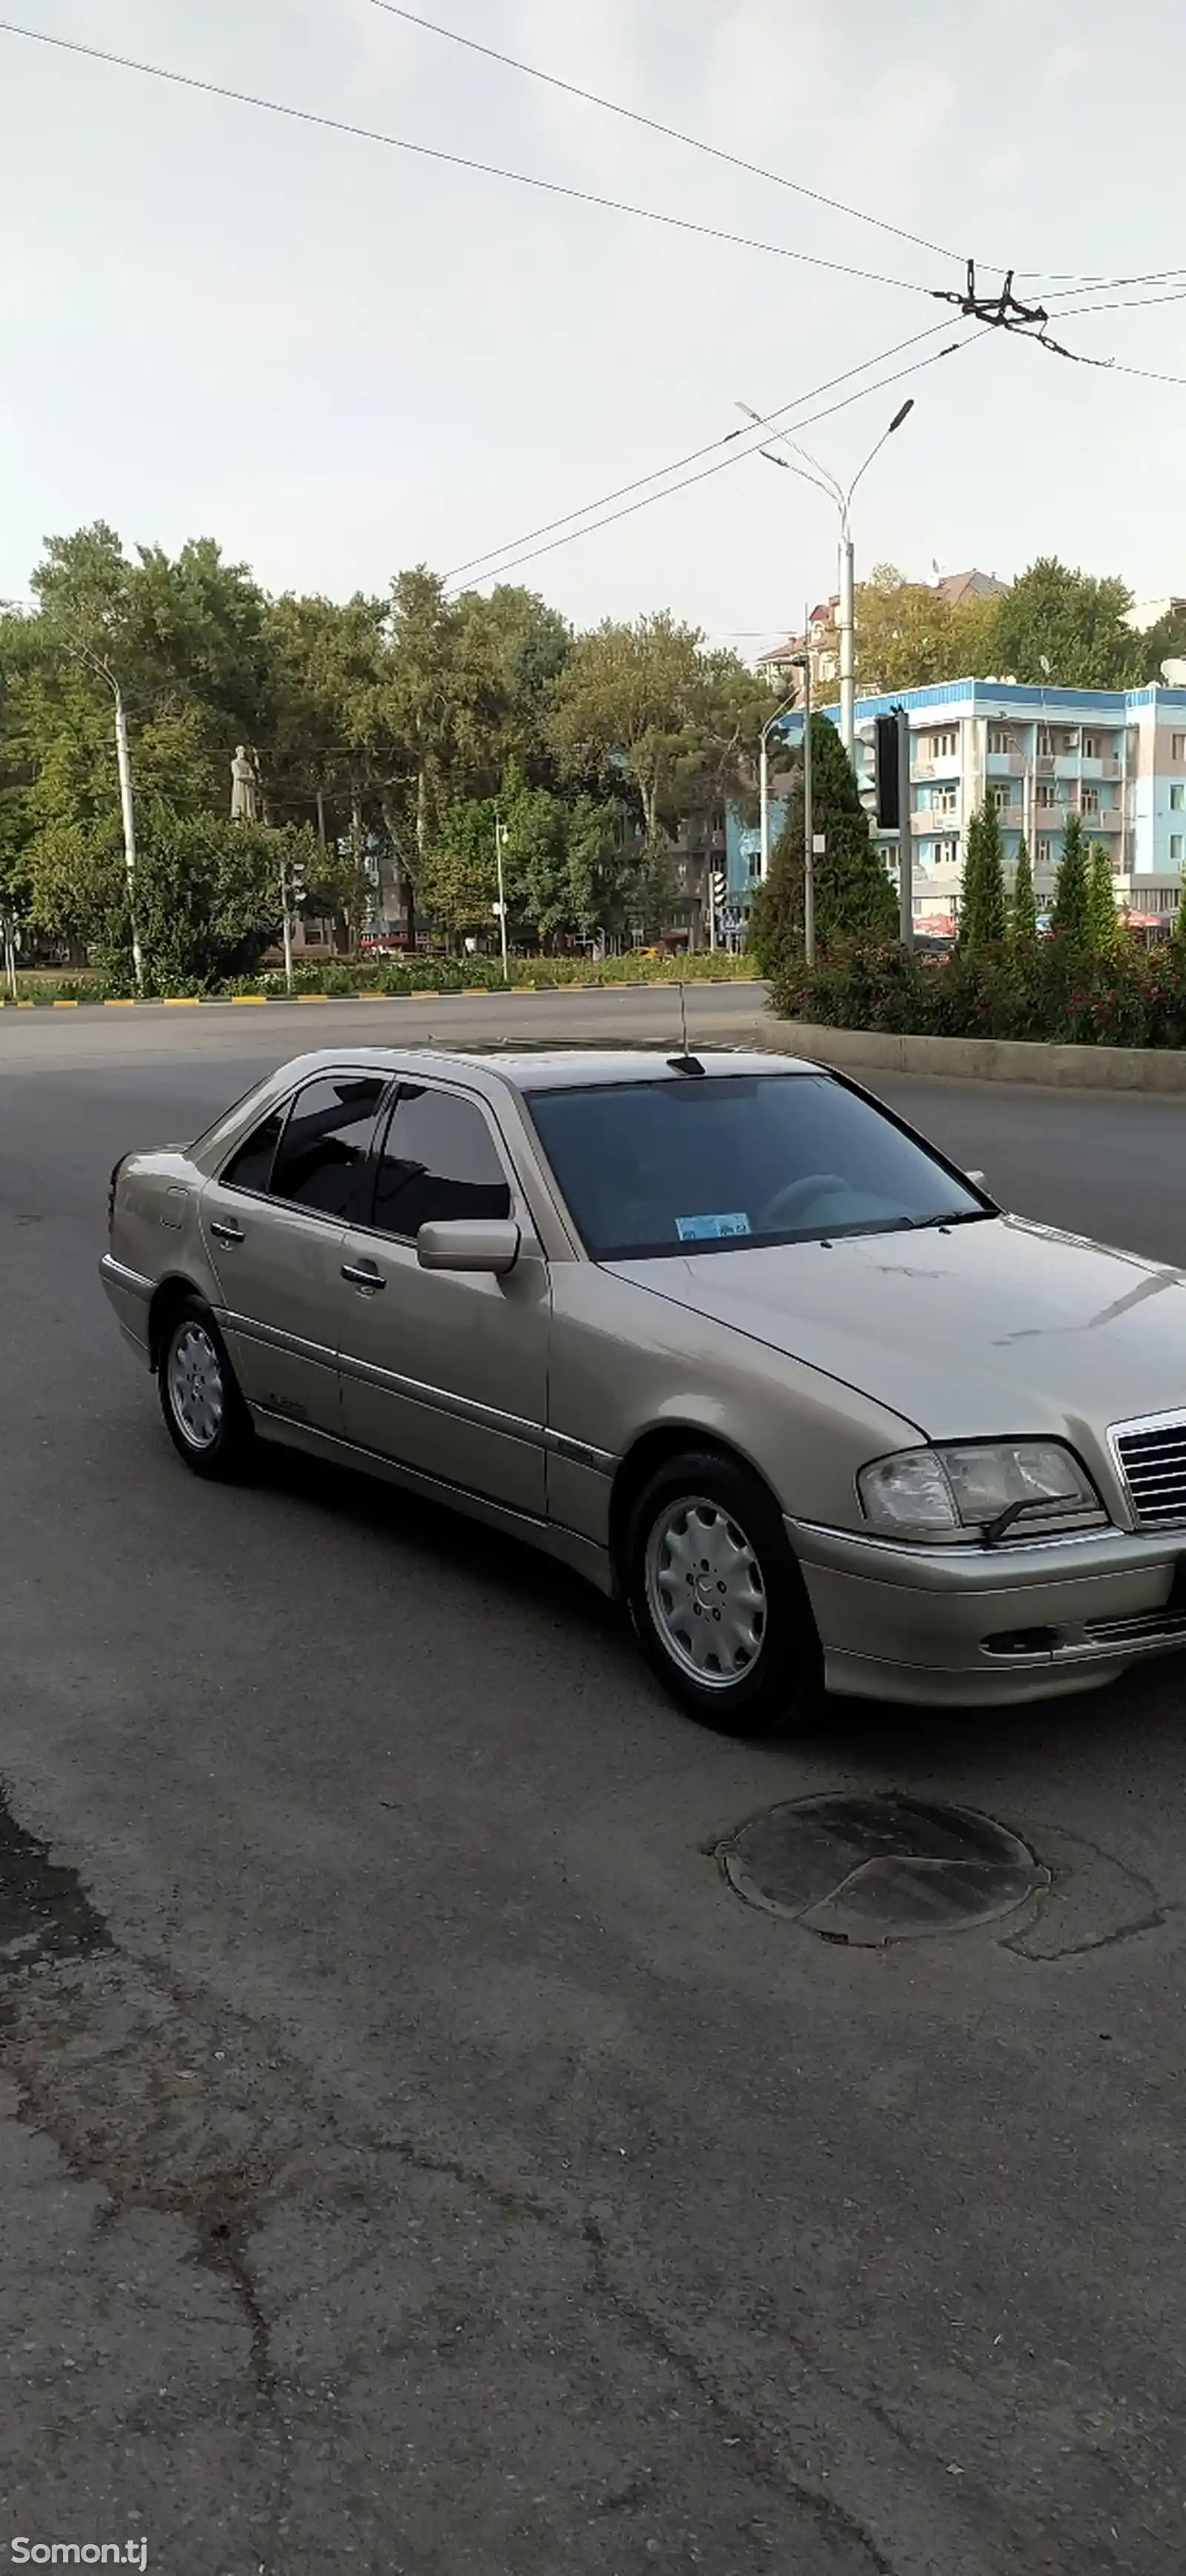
(957, 1216)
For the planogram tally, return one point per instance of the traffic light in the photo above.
(885, 773)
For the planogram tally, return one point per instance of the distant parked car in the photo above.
(720, 1332)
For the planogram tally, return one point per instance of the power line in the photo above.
(694, 455)
(455, 160)
(498, 570)
(1072, 280)
(1150, 277)
(655, 125)
(1108, 366)
(1126, 304)
(735, 160)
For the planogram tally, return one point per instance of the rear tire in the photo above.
(717, 1597)
(205, 1416)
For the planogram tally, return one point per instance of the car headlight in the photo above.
(993, 1487)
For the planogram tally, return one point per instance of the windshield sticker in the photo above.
(708, 1229)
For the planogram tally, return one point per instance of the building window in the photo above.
(1002, 798)
(1177, 797)
(943, 801)
(1045, 791)
(1091, 800)
(1178, 746)
(1047, 853)
(1045, 741)
(1176, 848)
(999, 738)
(1090, 746)
(944, 746)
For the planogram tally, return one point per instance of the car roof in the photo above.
(552, 1068)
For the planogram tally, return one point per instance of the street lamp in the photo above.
(124, 766)
(810, 471)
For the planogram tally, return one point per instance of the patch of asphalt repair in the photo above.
(200, 2151)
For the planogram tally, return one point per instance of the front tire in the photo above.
(205, 1416)
(717, 1597)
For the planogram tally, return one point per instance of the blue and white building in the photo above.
(1115, 757)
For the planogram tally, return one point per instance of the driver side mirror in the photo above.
(488, 1244)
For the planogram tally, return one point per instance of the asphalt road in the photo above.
(416, 2159)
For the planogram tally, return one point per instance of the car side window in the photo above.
(326, 1140)
(439, 1160)
(250, 1168)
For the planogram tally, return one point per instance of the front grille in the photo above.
(1152, 1458)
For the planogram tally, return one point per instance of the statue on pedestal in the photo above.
(244, 787)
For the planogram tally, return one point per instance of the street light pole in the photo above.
(808, 818)
(499, 837)
(846, 637)
(803, 663)
(286, 903)
(127, 807)
(764, 786)
(809, 471)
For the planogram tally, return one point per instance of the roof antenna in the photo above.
(684, 1063)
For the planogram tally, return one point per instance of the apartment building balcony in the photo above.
(1011, 817)
(928, 818)
(1006, 764)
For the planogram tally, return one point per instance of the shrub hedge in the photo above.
(1135, 997)
(344, 976)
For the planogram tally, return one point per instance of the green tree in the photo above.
(1164, 642)
(567, 866)
(1023, 918)
(647, 705)
(1103, 923)
(1071, 914)
(853, 895)
(324, 661)
(631, 695)
(1070, 621)
(457, 878)
(207, 893)
(603, 889)
(983, 916)
(519, 647)
(908, 634)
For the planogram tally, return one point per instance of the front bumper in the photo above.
(968, 1626)
(130, 1295)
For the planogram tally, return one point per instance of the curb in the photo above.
(1022, 1060)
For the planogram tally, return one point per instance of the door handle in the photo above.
(363, 1277)
(225, 1232)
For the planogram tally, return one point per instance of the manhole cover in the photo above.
(872, 1870)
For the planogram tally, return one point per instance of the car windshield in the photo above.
(684, 1165)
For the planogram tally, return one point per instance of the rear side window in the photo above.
(438, 1161)
(325, 1143)
(251, 1167)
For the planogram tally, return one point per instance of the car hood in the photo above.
(996, 1327)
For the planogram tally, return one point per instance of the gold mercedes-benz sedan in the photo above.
(719, 1331)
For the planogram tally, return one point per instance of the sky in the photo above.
(339, 359)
